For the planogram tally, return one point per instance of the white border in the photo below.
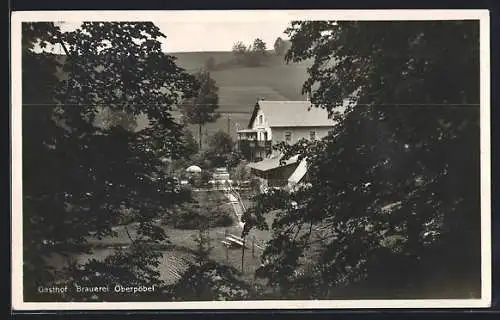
(231, 16)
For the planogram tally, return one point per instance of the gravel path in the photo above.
(237, 206)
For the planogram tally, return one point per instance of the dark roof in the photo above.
(272, 163)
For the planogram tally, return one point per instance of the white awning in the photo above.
(193, 169)
(299, 172)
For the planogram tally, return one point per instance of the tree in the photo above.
(279, 47)
(205, 212)
(240, 172)
(191, 144)
(77, 175)
(202, 108)
(252, 55)
(393, 187)
(220, 148)
(205, 279)
(210, 64)
(211, 282)
(240, 51)
(256, 53)
(259, 46)
(234, 158)
(111, 118)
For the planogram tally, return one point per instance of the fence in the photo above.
(238, 197)
(230, 240)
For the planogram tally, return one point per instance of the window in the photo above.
(312, 135)
(288, 136)
(261, 119)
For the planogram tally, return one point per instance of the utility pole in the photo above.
(243, 255)
(228, 124)
(253, 246)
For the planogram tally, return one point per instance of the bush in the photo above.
(192, 215)
(220, 219)
(205, 177)
(195, 181)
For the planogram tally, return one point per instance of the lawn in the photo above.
(183, 245)
(219, 253)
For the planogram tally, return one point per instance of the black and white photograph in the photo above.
(250, 159)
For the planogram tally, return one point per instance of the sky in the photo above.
(193, 36)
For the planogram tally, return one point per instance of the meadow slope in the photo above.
(241, 86)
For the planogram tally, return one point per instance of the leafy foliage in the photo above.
(209, 209)
(259, 46)
(253, 55)
(190, 143)
(279, 47)
(118, 118)
(211, 282)
(239, 50)
(220, 150)
(133, 267)
(203, 107)
(206, 280)
(240, 172)
(77, 176)
(393, 205)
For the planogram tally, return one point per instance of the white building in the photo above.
(276, 121)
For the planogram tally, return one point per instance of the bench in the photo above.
(231, 243)
(235, 239)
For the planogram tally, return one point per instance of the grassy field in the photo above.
(241, 86)
(282, 80)
(182, 246)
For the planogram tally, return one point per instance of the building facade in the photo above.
(273, 122)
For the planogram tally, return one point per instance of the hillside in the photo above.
(240, 86)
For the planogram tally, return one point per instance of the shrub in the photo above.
(220, 219)
(205, 177)
(192, 215)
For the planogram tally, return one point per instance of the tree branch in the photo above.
(66, 51)
(128, 234)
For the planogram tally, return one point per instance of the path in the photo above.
(237, 205)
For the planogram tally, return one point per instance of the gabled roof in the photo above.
(292, 114)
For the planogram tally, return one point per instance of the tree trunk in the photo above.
(199, 135)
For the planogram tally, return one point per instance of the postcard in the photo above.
(311, 159)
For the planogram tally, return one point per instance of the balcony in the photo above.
(255, 150)
(247, 134)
